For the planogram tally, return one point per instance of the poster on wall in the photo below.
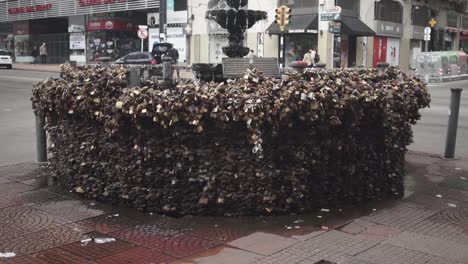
(176, 36)
(153, 38)
(77, 41)
(386, 50)
(393, 51)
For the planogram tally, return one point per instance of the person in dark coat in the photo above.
(174, 54)
(35, 54)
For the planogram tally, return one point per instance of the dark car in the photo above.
(137, 58)
(159, 50)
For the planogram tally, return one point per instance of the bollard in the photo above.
(41, 139)
(167, 72)
(134, 76)
(453, 123)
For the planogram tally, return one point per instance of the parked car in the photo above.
(6, 59)
(137, 58)
(159, 50)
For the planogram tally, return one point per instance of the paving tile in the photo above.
(51, 256)
(73, 210)
(441, 228)
(421, 159)
(11, 188)
(109, 223)
(389, 254)
(430, 245)
(456, 183)
(137, 256)
(94, 251)
(456, 216)
(170, 242)
(402, 216)
(22, 171)
(226, 255)
(337, 241)
(439, 260)
(454, 194)
(42, 240)
(369, 230)
(221, 233)
(256, 243)
(329, 255)
(19, 220)
(430, 202)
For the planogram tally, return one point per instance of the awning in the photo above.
(354, 26)
(298, 24)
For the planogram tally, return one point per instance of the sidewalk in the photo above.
(42, 223)
(184, 73)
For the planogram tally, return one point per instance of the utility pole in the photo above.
(282, 18)
(162, 17)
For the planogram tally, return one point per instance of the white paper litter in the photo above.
(103, 240)
(7, 255)
(438, 196)
(116, 215)
(299, 221)
(297, 227)
(325, 210)
(374, 210)
(289, 227)
(319, 216)
(324, 227)
(463, 178)
(452, 205)
(458, 169)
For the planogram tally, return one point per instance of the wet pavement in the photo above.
(42, 223)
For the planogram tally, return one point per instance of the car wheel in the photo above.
(10, 67)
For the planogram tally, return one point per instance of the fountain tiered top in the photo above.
(236, 20)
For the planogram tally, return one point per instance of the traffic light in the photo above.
(278, 16)
(283, 16)
(287, 15)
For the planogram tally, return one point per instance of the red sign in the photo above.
(99, 2)
(110, 25)
(380, 50)
(29, 9)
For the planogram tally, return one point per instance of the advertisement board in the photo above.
(77, 41)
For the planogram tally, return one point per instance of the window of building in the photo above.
(452, 20)
(389, 10)
(350, 7)
(180, 5)
(420, 16)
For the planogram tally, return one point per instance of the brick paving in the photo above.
(46, 224)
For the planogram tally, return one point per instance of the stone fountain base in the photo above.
(208, 72)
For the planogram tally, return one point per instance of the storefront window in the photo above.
(297, 45)
(389, 10)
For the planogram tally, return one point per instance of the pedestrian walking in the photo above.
(35, 54)
(43, 53)
(308, 58)
(174, 54)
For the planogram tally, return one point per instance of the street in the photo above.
(17, 130)
(430, 132)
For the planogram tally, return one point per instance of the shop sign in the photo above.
(389, 29)
(334, 27)
(177, 17)
(153, 19)
(77, 41)
(417, 32)
(99, 2)
(176, 36)
(76, 28)
(29, 9)
(331, 14)
(109, 25)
